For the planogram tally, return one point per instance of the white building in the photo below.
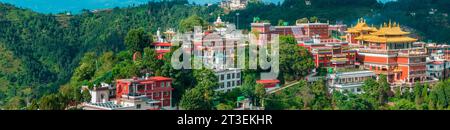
(348, 81)
(127, 103)
(436, 69)
(234, 4)
(100, 94)
(101, 100)
(228, 79)
(438, 65)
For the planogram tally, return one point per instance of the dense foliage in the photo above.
(50, 47)
(50, 56)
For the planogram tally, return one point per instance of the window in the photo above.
(238, 75)
(162, 84)
(238, 83)
(222, 77)
(156, 94)
(168, 84)
(138, 106)
(228, 84)
(222, 85)
(232, 75)
(232, 83)
(228, 76)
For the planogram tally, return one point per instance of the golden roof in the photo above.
(361, 26)
(388, 33)
(391, 29)
(401, 39)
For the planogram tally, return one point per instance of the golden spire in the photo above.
(390, 23)
(384, 24)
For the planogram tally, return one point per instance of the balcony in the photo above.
(339, 60)
(377, 51)
(400, 52)
(411, 52)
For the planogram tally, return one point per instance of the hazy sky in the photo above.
(57, 6)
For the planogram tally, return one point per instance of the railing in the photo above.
(376, 51)
(419, 52)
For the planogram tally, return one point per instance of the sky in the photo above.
(74, 6)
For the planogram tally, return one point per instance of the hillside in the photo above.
(40, 52)
(51, 46)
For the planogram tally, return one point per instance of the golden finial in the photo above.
(390, 23)
(384, 24)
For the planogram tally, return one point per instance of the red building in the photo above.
(316, 37)
(391, 52)
(330, 53)
(269, 83)
(156, 89)
(161, 48)
(302, 32)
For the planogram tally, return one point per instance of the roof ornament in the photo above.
(390, 23)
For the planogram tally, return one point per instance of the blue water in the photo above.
(74, 6)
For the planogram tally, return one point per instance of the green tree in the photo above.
(440, 95)
(403, 104)
(302, 20)
(295, 61)
(51, 102)
(288, 39)
(189, 23)
(86, 96)
(418, 99)
(350, 101)
(150, 63)
(136, 40)
(248, 86)
(33, 105)
(260, 92)
(87, 67)
(321, 99)
(314, 19)
(223, 106)
(204, 90)
(376, 92)
(193, 99)
(15, 103)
